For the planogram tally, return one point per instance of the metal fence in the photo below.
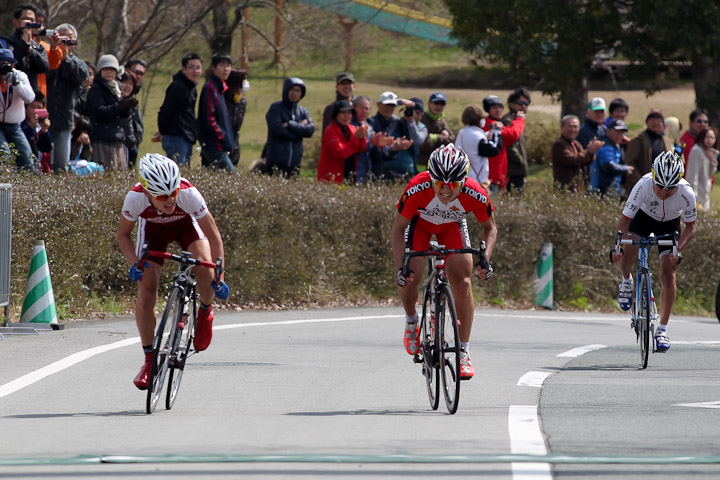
(5, 244)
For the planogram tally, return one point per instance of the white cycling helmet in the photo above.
(158, 174)
(448, 164)
(667, 170)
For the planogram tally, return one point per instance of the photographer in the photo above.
(31, 57)
(15, 92)
(404, 162)
(63, 87)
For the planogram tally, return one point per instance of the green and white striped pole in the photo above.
(544, 273)
(39, 304)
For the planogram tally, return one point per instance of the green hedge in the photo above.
(296, 242)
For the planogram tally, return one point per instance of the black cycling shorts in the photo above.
(643, 224)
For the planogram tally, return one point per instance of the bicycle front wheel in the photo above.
(183, 339)
(644, 320)
(163, 349)
(430, 364)
(446, 317)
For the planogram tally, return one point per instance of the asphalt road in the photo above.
(332, 394)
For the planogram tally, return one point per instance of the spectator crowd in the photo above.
(59, 113)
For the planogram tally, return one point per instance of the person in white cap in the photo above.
(386, 122)
(594, 126)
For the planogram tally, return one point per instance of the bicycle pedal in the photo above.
(417, 359)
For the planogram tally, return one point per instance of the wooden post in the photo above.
(278, 30)
(245, 38)
(348, 26)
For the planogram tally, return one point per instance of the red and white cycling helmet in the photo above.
(667, 170)
(448, 164)
(158, 174)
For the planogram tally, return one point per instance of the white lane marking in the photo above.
(715, 404)
(300, 321)
(533, 379)
(697, 342)
(55, 367)
(67, 362)
(576, 352)
(526, 439)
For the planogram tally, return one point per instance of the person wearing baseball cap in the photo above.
(642, 149)
(439, 131)
(15, 92)
(344, 90)
(394, 159)
(594, 126)
(607, 171)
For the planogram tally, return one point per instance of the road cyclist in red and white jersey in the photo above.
(436, 202)
(168, 208)
(656, 204)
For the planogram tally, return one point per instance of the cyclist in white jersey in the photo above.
(656, 204)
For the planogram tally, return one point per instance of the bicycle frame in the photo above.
(440, 343)
(644, 313)
(174, 335)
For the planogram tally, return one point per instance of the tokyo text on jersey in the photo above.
(419, 199)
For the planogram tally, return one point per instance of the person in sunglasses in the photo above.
(656, 204)
(437, 202)
(518, 101)
(167, 208)
(698, 122)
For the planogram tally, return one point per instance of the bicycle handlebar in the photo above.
(665, 240)
(184, 259)
(441, 251)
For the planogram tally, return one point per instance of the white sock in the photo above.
(411, 319)
(662, 328)
(628, 280)
(465, 346)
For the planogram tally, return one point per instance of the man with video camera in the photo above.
(64, 83)
(31, 56)
(15, 92)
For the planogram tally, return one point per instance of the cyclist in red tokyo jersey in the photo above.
(167, 208)
(436, 202)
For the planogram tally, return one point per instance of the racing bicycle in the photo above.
(644, 313)
(439, 327)
(172, 344)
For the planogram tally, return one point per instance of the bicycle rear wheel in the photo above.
(450, 348)
(184, 337)
(430, 364)
(644, 320)
(163, 349)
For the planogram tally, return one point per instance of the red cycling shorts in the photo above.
(453, 235)
(159, 236)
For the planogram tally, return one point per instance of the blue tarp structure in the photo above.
(391, 17)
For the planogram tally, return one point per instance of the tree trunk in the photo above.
(706, 77)
(574, 96)
(221, 38)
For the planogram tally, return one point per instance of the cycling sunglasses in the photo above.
(451, 185)
(162, 198)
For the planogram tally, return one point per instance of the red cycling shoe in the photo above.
(203, 336)
(142, 380)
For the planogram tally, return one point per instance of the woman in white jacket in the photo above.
(702, 165)
(478, 144)
(15, 92)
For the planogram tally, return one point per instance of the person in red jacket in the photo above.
(510, 134)
(341, 141)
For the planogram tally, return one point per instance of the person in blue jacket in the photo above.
(607, 170)
(288, 124)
